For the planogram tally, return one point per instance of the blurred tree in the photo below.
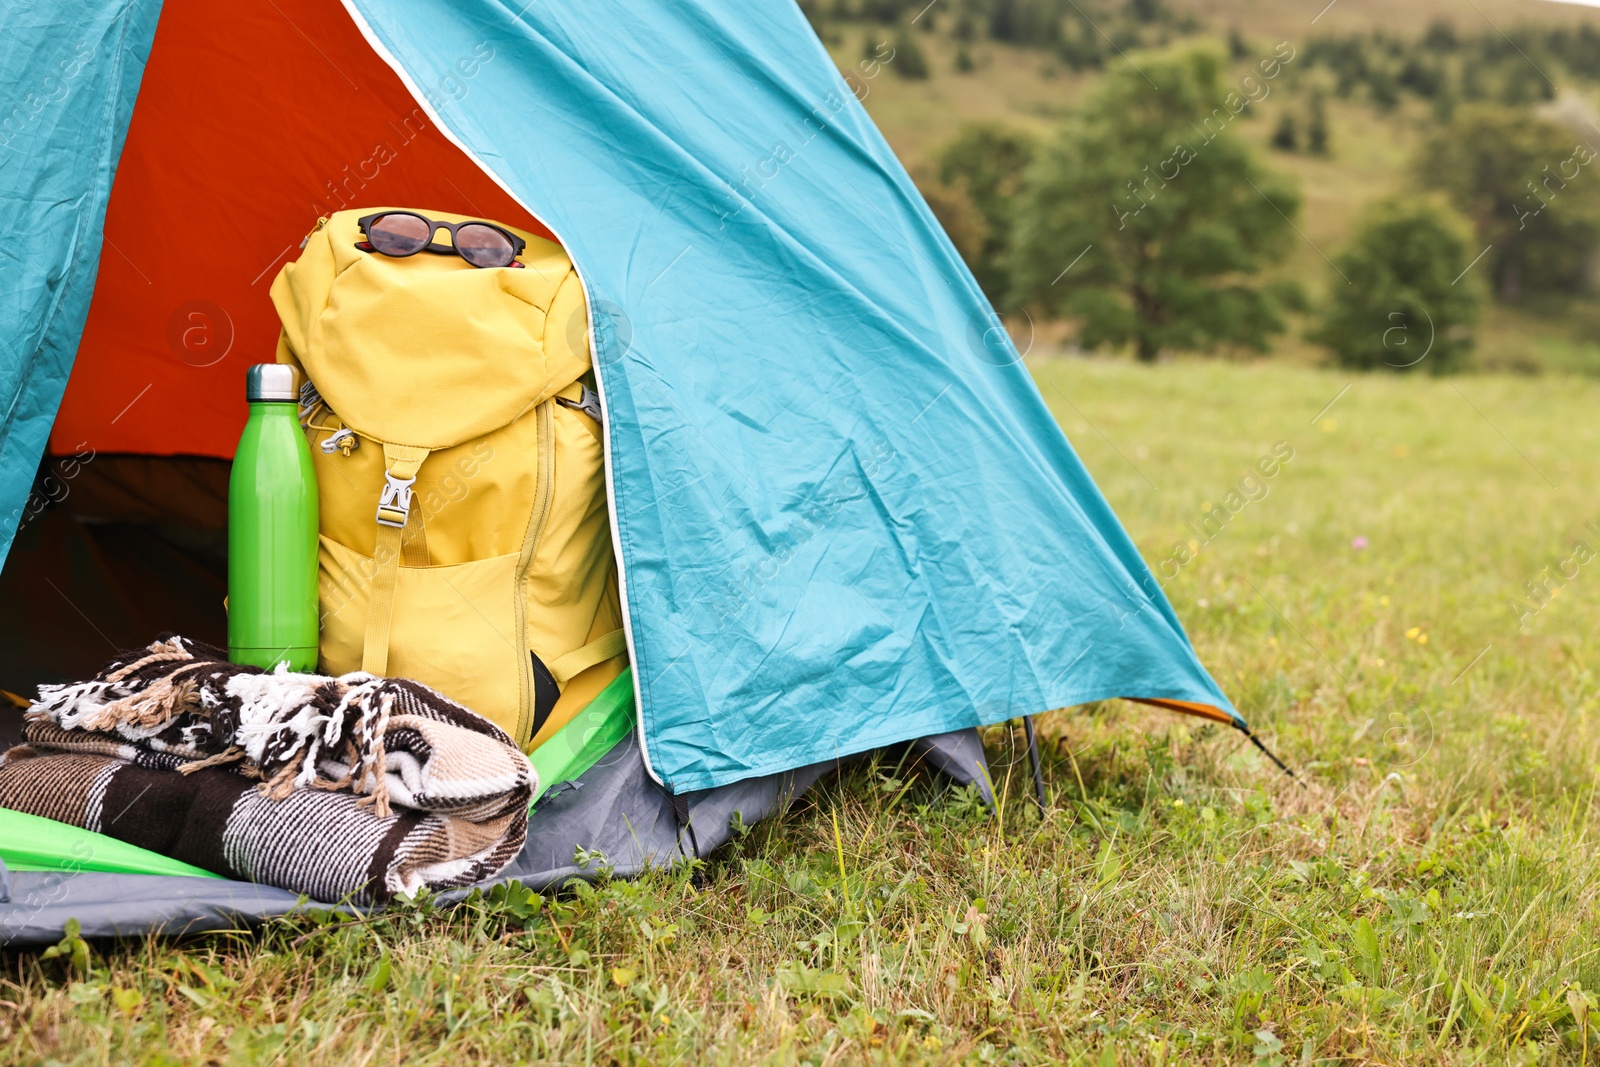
(1384, 88)
(1161, 213)
(987, 162)
(884, 11)
(1396, 303)
(1441, 36)
(812, 10)
(1317, 138)
(1583, 53)
(1146, 10)
(953, 207)
(909, 59)
(1525, 83)
(1081, 47)
(1004, 21)
(1528, 187)
(1345, 56)
(1444, 105)
(1424, 79)
(1286, 138)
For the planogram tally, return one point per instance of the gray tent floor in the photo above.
(614, 812)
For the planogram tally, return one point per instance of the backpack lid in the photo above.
(428, 350)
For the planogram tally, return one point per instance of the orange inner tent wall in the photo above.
(251, 122)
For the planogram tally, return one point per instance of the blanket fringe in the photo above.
(231, 755)
(279, 727)
(159, 652)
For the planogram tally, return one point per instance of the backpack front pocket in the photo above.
(455, 628)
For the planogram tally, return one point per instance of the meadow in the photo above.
(1405, 614)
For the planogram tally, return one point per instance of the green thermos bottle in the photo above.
(272, 530)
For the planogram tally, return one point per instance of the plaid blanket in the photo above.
(354, 787)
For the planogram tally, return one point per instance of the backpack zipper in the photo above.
(537, 520)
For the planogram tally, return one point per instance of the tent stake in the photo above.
(1254, 740)
(1033, 757)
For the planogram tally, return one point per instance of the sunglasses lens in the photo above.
(484, 246)
(398, 235)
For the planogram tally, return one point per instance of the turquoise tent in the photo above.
(844, 517)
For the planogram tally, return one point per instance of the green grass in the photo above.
(1427, 895)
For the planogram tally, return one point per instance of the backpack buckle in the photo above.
(394, 506)
(588, 403)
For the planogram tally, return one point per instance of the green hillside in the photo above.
(1289, 18)
(1505, 54)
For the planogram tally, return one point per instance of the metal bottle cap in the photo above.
(270, 381)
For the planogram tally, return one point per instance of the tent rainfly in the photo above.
(843, 516)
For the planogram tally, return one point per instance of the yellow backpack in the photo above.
(465, 535)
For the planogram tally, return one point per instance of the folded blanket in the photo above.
(352, 787)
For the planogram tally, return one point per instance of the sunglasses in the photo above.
(405, 233)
